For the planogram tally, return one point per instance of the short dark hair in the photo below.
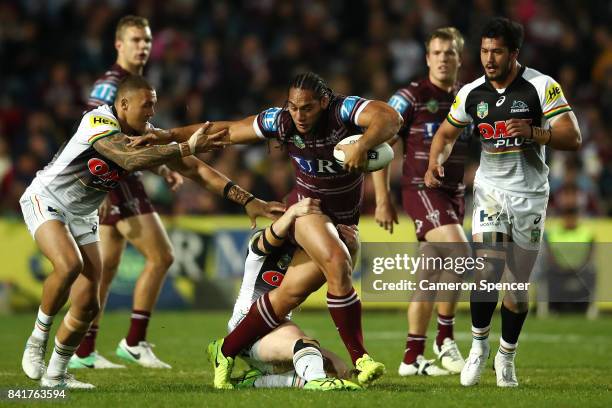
(131, 83)
(510, 31)
(312, 82)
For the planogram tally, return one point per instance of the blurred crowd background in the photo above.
(228, 59)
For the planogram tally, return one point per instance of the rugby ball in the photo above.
(378, 157)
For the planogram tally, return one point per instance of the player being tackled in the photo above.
(286, 357)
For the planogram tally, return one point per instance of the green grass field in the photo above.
(562, 362)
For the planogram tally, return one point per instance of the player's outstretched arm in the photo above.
(238, 132)
(116, 147)
(381, 122)
(217, 183)
(441, 147)
(274, 236)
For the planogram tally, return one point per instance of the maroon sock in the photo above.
(415, 346)
(88, 344)
(138, 327)
(445, 328)
(346, 313)
(260, 321)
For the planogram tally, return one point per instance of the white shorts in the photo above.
(521, 218)
(38, 209)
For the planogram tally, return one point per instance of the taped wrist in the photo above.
(185, 149)
(237, 194)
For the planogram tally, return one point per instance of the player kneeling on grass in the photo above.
(286, 357)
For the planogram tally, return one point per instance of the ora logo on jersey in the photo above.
(313, 166)
(499, 134)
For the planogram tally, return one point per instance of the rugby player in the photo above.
(60, 209)
(286, 357)
(311, 123)
(128, 215)
(518, 112)
(437, 214)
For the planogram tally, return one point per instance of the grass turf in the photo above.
(562, 362)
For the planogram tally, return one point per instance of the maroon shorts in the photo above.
(350, 217)
(127, 200)
(432, 208)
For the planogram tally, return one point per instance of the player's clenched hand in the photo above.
(174, 180)
(350, 236)
(355, 157)
(386, 215)
(433, 176)
(259, 208)
(306, 206)
(519, 128)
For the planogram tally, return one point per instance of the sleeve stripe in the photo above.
(455, 122)
(359, 110)
(555, 111)
(257, 129)
(101, 135)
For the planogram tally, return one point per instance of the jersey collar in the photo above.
(511, 85)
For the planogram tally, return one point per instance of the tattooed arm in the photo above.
(115, 148)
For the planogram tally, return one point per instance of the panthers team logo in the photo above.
(298, 141)
(519, 107)
(482, 110)
(432, 105)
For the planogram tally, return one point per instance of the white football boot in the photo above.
(475, 363)
(94, 360)
(142, 354)
(33, 360)
(65, 381)
(504, 370)
(449, 355)
(421, 367)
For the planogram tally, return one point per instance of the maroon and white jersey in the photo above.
(424, 107)
(105, 88)
(318, 175)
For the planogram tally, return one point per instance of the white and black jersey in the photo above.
(507, 163)
(79, 177)
(262, 273)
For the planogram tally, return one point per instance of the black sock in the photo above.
(512, 324)
(482, 306)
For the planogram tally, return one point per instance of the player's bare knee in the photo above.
(162, 259)
(338, 267)
(68, 267)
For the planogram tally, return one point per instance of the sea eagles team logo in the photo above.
(482, 110)
(297, 140)
(432, 105)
